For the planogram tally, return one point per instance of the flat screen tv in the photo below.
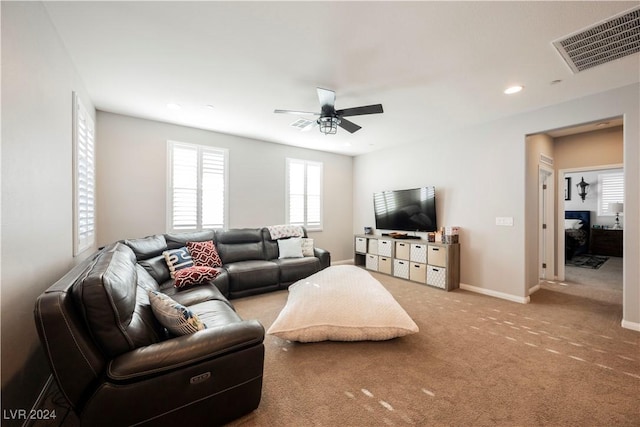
(406, 210)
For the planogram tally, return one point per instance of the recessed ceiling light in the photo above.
(173, 106)
(210, 107)
(513, 89)
(555, 82)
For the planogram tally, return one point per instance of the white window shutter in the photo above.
(84, 178)
(611, 191)
(197, 187)
(304, 194)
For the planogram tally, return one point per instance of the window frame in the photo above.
(200, 149)
(305, 163)
(84, 177)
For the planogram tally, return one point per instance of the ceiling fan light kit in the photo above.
(330, 118)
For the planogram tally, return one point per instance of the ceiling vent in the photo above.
(604, 42)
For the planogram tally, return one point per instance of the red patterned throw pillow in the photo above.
(204, 254)
(194, 276)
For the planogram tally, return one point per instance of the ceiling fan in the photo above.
(330, 118)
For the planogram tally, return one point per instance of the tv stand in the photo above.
(429, 263)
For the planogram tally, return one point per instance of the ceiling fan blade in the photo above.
(326, 97)
(359, 111)
(349, 126)
(296, 112)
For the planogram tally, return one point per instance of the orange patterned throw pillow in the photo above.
(204, 254)
(194, 276)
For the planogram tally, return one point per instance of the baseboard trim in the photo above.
(496, 294)
(630, 325)
(534, 289)
(343, 262)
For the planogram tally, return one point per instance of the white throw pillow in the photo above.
(290, 248)
(572, 224)
(174, 316)
(341, 303)
(307, 247)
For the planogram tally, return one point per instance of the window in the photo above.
(84, 235)
(611, 191)
(304, 194)
(197, 187)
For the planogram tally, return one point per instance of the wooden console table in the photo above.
(606, 241)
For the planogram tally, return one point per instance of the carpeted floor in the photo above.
(562, 360)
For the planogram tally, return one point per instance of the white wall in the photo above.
(132, 179)
(38, 79)
(480, 174)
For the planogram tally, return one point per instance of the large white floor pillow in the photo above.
(341, 303)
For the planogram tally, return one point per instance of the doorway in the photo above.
(590, 147)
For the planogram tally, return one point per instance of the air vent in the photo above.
(546, 160)
(303, 124)
(604, 42)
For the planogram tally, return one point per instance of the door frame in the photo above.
(546, 236)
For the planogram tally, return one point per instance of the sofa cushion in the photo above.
(157, 267)
(108, 298)
(204, 254)
(195, 294)
(174, 316)
(292, 269)
(245, 275)
(147, 247)
(195, 275)
(177, 259)
(215, 313)
(178, 240)
(240, 245)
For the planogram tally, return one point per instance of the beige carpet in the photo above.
(562, 360)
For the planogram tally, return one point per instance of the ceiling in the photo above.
(433, 65)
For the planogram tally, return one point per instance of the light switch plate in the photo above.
(504, 221)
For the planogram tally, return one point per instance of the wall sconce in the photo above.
(583, 189)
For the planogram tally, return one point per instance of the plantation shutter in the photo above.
(611, 191)
(84, 178)
(197, 187)
(304, 193)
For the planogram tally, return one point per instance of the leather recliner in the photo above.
(117, 366)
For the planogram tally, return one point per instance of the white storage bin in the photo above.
(419, 253)
(372, 262)
(401, 268)
(437, 276)
(385, 247)
(361, 245)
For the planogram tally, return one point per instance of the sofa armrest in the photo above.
(185, 350)
(324, 256)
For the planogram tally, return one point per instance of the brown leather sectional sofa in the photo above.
(116, 365)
